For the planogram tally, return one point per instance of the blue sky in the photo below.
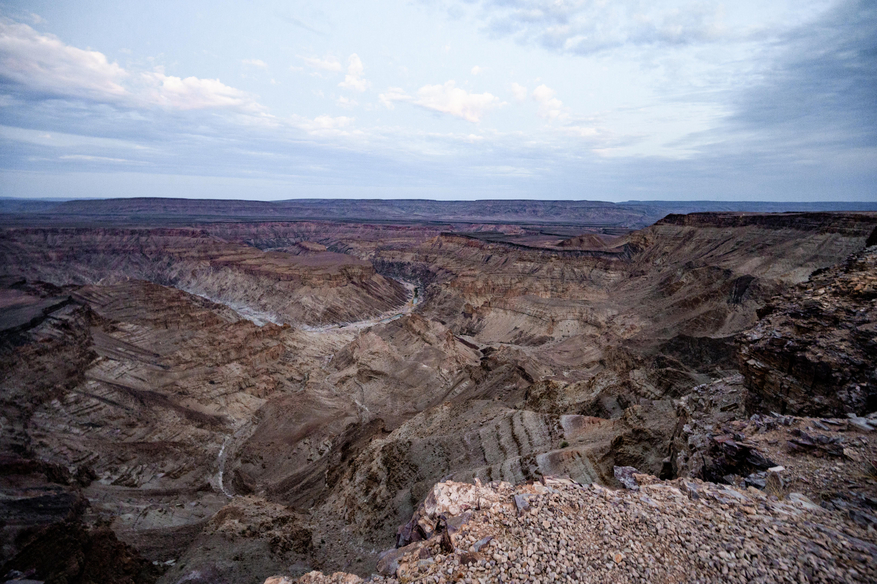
(552, 99)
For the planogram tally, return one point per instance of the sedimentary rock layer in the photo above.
(313, 289)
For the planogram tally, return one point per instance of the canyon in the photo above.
(203, 400)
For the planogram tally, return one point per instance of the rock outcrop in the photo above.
(813, 352)
(686, 530)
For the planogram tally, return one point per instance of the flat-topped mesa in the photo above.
(778, 248)
(567, 249)
(317, 287)
(854, 224)
(310, 246)
(589, 241)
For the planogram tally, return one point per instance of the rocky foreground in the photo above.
(683, 530)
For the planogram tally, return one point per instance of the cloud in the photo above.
(329, 63)
(43, 66)
(519, 92)
(447, 98)
(354, 80)
(324, 125)
(258, 63)
(330, 123)
(585, 26)
(476, 70)
(550, 107)
(89, 158)
(450, 99)
(392, 95)
(193, 93)
(582, 131)
(35, 63)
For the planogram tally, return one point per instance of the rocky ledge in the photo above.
(682, 530)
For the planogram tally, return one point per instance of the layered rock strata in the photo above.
(313, 289)
(224, 451)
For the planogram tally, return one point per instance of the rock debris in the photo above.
(684, 530)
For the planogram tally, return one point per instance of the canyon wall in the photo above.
(316, 289)
(134, 378)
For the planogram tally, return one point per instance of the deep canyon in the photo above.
(222, 401)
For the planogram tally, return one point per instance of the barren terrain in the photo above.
(226, 401)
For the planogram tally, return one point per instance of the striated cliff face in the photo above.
(485, 440)
(219, 450)
(704, 280)
(312, 289)
(852, 224)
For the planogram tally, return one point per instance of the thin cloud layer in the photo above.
(331, 64)
(257, 63)
(324, 125)
(193, 93)
(588, 26)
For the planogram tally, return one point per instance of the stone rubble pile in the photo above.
(684, 530)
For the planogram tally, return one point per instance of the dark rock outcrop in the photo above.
(814, 351)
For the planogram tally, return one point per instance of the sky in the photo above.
(440, 99)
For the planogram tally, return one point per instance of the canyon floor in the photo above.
(227, 401)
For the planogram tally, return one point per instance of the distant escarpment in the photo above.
(843, 223)
(317, 288)
(706, 279)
